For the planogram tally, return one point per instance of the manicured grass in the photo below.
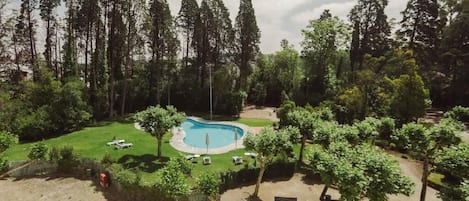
(91, 143)
(255, 122)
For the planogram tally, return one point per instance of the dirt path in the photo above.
(306, 189)
(252, 111)
(49, 188)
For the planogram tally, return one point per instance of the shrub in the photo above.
(3, 165)
(180, 163)
(107, 160)
(68, 160)
(6, 140)
(208, 184)
(457, 113)
(54, 154)
(38, 152)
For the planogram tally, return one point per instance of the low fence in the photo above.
(31, 168)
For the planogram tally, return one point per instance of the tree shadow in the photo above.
(146, 163)
(311, 179)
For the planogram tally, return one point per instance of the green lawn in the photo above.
(91, 143)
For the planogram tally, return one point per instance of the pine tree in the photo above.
(47, 7)
(188, 15)
(70, 63)
(25, 34)
(247, 40)
(161, 37)
(421, 28)
(222, 34)
(371, 27)
(202, 41)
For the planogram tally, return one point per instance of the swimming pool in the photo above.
(220, 135)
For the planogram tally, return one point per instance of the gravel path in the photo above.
(49, 188)
(307, 189)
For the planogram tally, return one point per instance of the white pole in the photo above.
(210, 75)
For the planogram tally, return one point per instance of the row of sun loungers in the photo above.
(206, 160)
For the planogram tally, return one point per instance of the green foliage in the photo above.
(54, 154)
(360, 171)
(283, 111)
(409, 100)
(454, 163)
(3, 164)
(267, 144)
(387, 128)
(156, 121)
(7, 139)
(233, 103)
(208, 184)
(124, 176)
(181, 164)
(368, 129)
(107, 160)
(38, 151)
(457, 113)
(350, 105)
(68, 159)
(173, 182)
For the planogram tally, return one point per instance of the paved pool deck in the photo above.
(177, 141)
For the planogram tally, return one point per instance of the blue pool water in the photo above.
(219, 135)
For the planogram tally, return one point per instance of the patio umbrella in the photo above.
(207, 141)
(236, 138)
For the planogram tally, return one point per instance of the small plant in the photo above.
(3, 164)
(107, 160)
(38, 152)
(54, 154)
(6, 140)
(68, 160)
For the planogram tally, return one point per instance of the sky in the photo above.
(284, 19)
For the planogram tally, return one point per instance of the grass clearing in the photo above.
(91, 143)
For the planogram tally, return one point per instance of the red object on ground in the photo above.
(103, 180)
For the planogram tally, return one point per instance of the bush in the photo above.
(180, 163)
(233, 103)
(107, 160)
(458, 113)
(54, 154)
(3, 165)
(208, 184)
(68, 160)
(6, 140)
(38, 152)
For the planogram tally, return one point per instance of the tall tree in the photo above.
(161, 36)
(202, 37)
(222, 34)
(115, 50)
(323, 38)
(88, 15)
(371, 29)
(247, 39)
(70, 57)
(188, 15)
(421, 28)
(47, 7)
(25, 34)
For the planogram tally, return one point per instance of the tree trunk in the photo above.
(159, 146)
(324, 191)
(303, 143)
(259, 178)
(424, 179)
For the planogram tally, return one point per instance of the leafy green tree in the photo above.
(305, 121)
(7, 139)
(247, 39)
(267, 144)
(287, 68)
(156, 121)
(70, 55)
(454, 58)
(284, 110)
(38, 152)
(358, 172)
(368, 129)
(208, 184)
(410, 98)
(454, 163)
(323, 38)
(425, 143)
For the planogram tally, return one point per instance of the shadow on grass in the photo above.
(146, 163)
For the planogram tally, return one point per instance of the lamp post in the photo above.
(210, 81)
